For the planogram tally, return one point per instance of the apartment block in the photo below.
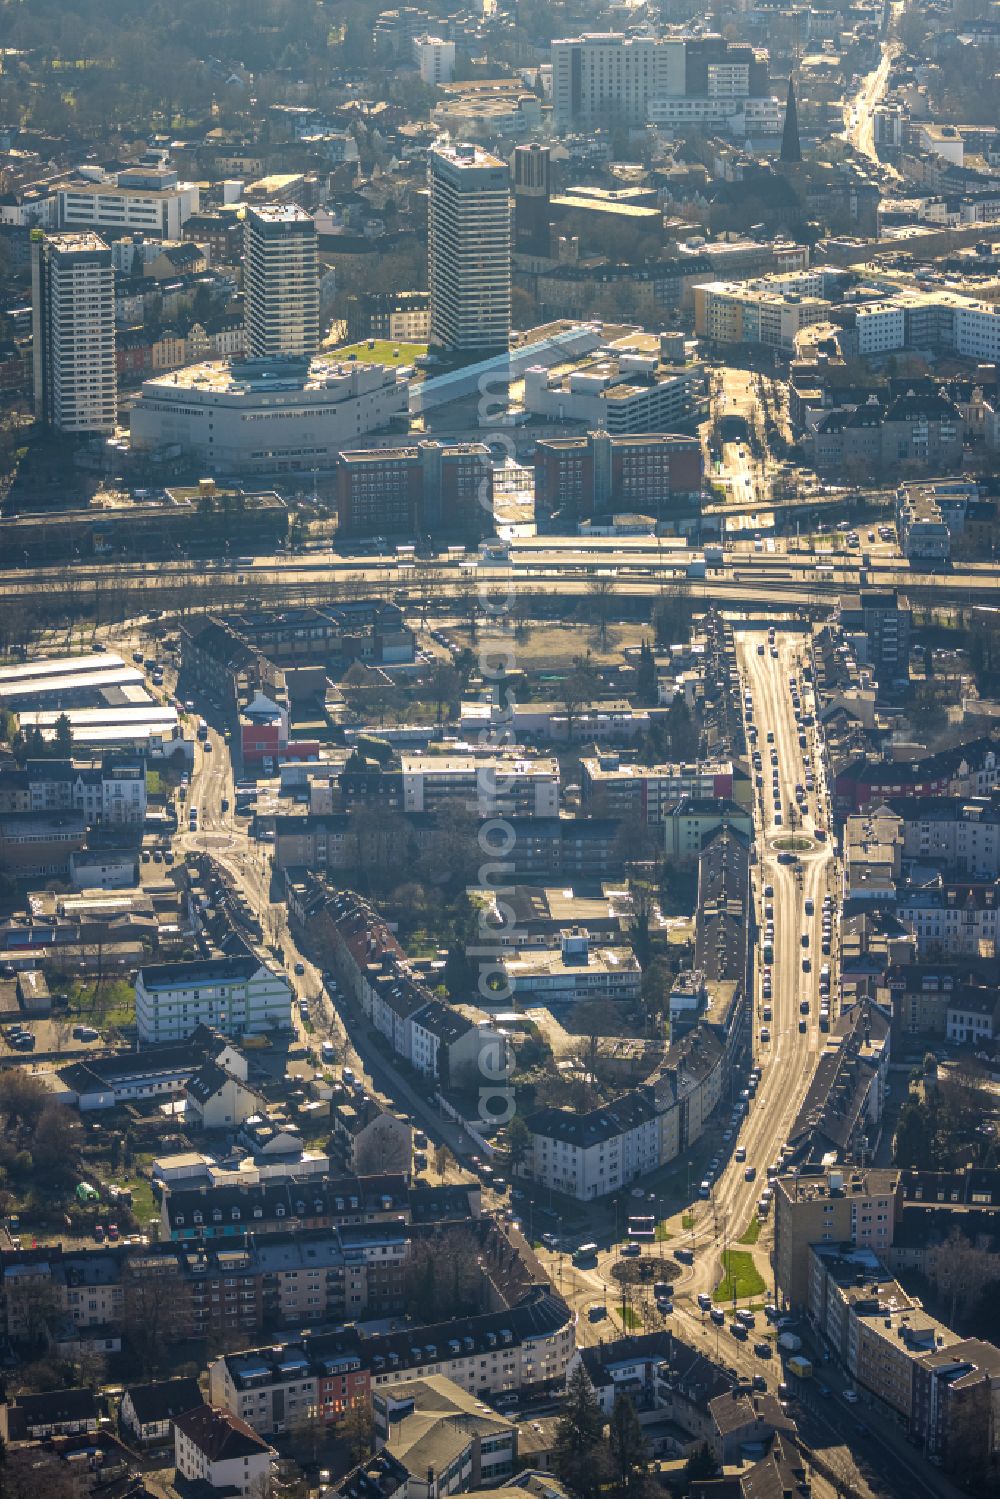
(280, 282)
(612, 787)
(469, 250)
(239, 996)
(489, 786)
(836, 1206)
(73, 333)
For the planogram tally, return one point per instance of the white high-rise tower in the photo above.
(469, 244)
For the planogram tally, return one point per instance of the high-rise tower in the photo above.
(280, 281)
(73, 322)
(469, 251)
(532, 192)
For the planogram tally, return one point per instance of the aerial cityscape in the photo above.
(499, 749)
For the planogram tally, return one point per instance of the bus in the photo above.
(586, 1254)
(642, 1229)
(202, 729)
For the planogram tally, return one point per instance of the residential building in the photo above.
(959, 834)
(109, 793)
(955, 1392)
(771, 312)
(657, 473)
(691, 821)
(496, 785)
(147, 1411)
(952, 919)
(525, 1346)
(266, 417)
(55, 1413)
(613, 787)
(879, 620)
(836, 1205)
(435, 59)
(280, 282)
(239, 996)
(214, 1447)
(73, 333)
(591, 1155)
(469, 250)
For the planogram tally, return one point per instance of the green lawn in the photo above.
(630, 1317)
(384, 352)
(687, 1220)
(751, 1233)
(662, 1233)
(113, 1004)
(741, 1277)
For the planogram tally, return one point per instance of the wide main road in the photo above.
(788, 1044)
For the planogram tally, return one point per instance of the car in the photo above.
(145, 856)
(631, 1251)
(225, 804)
(304, 1008)
(750, 1174)
(765, 1034)
(168, 857)
(803, 1027)
(300, 969)
(664, 1307)
(112, 1233)
(208, 746)
(596, 1311)
(759, 1382)
(820, 833)
(851, 1396)
(803, 1007)
(762, 1349)
(738, 1331)
(157, 856)
(99, 1232)
(717, 1315)
(193, 812)
(806, 965)
(741, 1152)
(768, 891)
(784, 1391)
(824, 1391)
(704, 1301)
(663, 1289)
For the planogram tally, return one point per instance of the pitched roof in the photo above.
(164, 1399)
(219, 1434)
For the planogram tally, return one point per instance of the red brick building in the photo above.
(429, 487)
(658, 474)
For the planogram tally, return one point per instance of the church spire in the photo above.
(791, 151)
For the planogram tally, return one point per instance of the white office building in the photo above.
(73, 332)
(239, 996)
(469, 249)
(148, 199)
(280, 281)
